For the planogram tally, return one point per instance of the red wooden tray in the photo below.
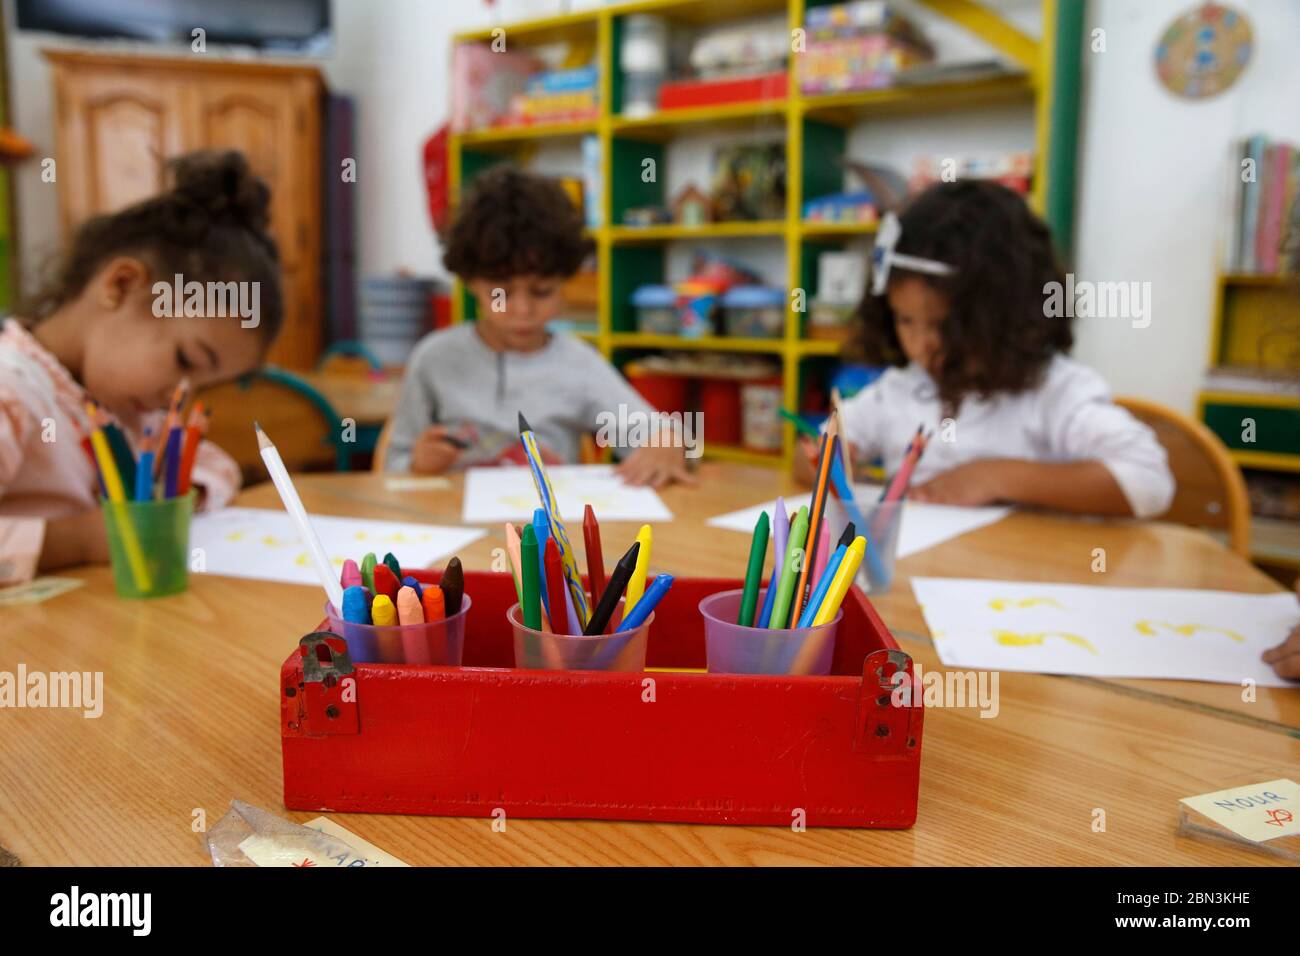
(688, 747)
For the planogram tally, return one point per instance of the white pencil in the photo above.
(293, 505)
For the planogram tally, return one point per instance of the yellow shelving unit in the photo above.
(810, 126)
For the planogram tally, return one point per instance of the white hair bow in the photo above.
(884, 258)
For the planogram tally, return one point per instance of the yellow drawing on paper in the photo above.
(1012, 639)
(1006, 604)
(1151, 628)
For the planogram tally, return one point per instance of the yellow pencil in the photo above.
(117, 496)
(842, 581)
(636, 583)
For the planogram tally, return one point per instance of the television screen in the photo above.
(297, 25)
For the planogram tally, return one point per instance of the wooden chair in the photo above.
(381, 447)
(351, 358)
(297, 418)
(1210, 492)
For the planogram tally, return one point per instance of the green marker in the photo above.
(754, 573)
(794, 557)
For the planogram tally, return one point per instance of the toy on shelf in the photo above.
(692, 207)
(860, 45)
(749, 181)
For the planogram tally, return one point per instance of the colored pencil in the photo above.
(646, 606)
(293, 504)
(117, 495)
(803, 587)
(173, 420)
(826, 577)
(799, 422)
(172, 468)
(897, 486)
(613, 591)
(595, 559)
(572, 576)
(790, 570)
(837, 412)
(194, 432)
(754, 571)
(122, 456)
(144, 469)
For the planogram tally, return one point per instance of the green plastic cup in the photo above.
(149, 545)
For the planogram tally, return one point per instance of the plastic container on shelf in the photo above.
(695, 303)
(754, 312)
(760, 418)
(643, 58)
(656, 310)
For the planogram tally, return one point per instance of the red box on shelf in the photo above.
(687, 94)
(656, 745)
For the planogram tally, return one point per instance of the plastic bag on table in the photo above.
(250, 836)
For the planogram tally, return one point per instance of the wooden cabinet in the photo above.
(119, 118)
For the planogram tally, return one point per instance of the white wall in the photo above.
(1151, 178)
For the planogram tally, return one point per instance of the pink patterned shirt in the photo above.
(45, 469)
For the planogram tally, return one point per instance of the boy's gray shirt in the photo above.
(454, 378)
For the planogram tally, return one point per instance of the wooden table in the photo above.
(191, 718)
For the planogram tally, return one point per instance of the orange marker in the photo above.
(409, 610)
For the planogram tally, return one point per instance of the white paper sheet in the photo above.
(493, 495)
(263, 544)
(1169, 633)
(924, 525)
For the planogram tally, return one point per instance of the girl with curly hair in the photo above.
(963, 310)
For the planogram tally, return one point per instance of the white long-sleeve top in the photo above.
(1069, 416)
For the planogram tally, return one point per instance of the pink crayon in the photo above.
(351, 574)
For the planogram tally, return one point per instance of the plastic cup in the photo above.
(734, 649)
(149, 545)
(536, 650)
(433, 642)
(882, 523)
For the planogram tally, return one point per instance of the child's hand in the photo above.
(655, 467)
(1285, 658)
(433, 454)
(806, 454)
(970, 485)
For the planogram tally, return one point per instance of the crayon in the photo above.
(382, 611)
(409, 608)
(435, 608)
(780, 531)
(842, 581)
(368, 571)
(794, 556)
(356, 605)
(393, 565)
(555, 583)
(453, 586)
(512, 549)
(636, 585)
(414, 585)
(754, 573)
(351, 576)
(646, 606)
(386, 584)
(826, 577)
(542, 529)
(613, 591)
(595, 560)
(530, 608)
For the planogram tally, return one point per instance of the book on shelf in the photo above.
(1253, 381)
(1264, 179)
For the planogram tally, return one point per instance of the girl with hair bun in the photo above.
(107, 327)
